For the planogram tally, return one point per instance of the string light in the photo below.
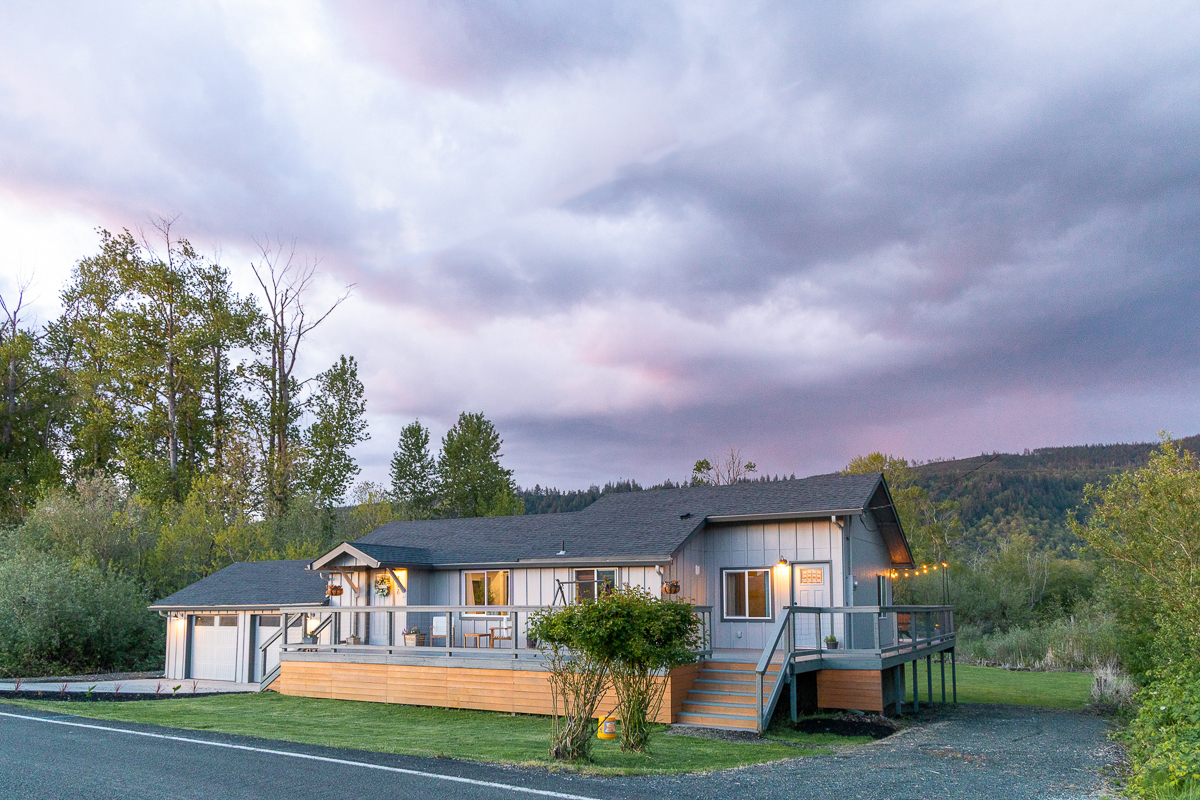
(921, 570)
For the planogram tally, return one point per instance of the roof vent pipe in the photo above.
(562, 552)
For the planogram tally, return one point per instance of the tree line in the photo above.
(162, 427)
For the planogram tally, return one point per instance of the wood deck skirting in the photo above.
(509, 690)
(861, 689)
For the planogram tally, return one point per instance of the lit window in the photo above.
(592, 582)
(748, 594)
(485, 589)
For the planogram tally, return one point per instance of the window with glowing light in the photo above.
(485, 589)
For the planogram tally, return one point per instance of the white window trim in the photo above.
(770, 595)
(484, 614)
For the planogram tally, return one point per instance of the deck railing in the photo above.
(882, 632)
(500, 631)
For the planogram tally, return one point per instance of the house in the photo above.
(792, 580)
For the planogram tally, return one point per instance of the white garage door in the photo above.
(214, 648)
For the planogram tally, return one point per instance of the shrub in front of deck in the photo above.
(578, 671)
(644, 639)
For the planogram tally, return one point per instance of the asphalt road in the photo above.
(971, 752)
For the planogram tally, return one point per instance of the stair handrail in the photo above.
(764, 663)
(270, 677)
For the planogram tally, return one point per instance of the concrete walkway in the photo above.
(134, 686)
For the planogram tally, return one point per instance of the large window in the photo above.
(485, 589)
(747, 594)
(593, 583)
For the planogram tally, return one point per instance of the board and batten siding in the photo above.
(754, 545)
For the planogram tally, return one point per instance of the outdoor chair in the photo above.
(505, 631)
(438, 631)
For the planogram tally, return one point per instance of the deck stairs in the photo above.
(722, 696)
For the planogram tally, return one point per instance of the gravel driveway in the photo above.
(974, 751)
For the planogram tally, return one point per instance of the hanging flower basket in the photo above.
(671, 587)
(333, 590)
(383, 586)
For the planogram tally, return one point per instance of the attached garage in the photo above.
(220, 628)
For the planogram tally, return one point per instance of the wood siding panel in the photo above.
(519, 691)
(860, 689)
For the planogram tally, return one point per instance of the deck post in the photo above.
(929, 677)
(916, 688)
(953, 676)
(795, 716)
(391, 628)
(286, 620)
(942, 656)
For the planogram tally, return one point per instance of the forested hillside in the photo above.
(1036, 491)
(996, 494)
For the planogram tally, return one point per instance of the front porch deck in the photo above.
(472, 661)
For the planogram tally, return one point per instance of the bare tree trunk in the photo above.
(284, 282)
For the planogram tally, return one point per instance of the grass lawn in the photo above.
(995, 685)
(413, 730)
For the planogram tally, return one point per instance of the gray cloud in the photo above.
(637, 232)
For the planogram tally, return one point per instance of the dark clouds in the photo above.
(638, 232)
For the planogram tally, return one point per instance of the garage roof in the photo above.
(250, 584)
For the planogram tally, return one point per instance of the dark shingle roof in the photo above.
(257, 584)
(632, 524)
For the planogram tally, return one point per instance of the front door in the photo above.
(811, 587)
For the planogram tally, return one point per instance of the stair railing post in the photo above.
(758, 699)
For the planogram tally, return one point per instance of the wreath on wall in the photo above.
(383, 586)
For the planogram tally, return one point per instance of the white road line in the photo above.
(418, 773)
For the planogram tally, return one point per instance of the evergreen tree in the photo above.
(414, 473)
(472, 482)
(340, 424)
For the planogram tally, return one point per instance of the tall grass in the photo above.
(1078, 644)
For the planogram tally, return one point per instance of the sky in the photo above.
(634, 234)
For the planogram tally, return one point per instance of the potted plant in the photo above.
(413, 637)
(353, 639)
(831, 642)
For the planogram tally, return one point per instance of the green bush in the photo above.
(56, 618)
(1164, 737)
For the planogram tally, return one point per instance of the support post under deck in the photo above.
(953, 676)
(929, 677)
(916, 688)
(942, 658)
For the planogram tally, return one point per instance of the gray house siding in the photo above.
(753, 545)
